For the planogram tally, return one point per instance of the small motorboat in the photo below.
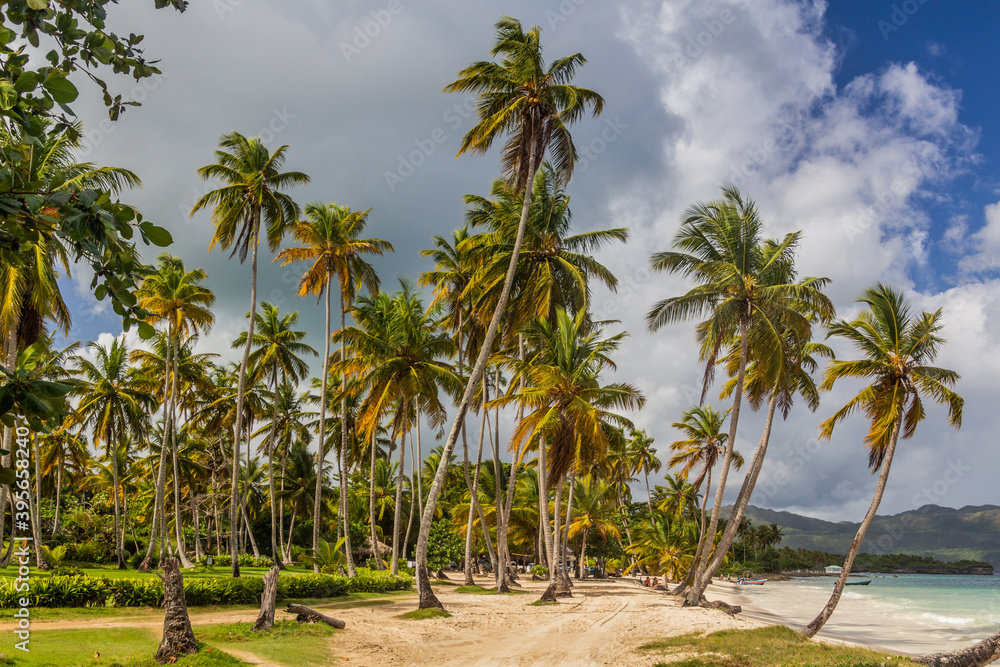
(750, 582)
(858, 583)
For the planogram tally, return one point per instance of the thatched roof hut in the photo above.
(366, 548)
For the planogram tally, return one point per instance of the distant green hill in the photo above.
(970, 533)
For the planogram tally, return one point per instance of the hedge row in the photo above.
(103, 592)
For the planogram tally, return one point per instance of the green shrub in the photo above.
(84, 591)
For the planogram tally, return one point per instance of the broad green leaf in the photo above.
(38, 5)
(146, 330)
(158, 236)
(62, 89)
(8, 95)
(26, 82)
(7, 476)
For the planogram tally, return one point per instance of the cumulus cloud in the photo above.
(700, 93)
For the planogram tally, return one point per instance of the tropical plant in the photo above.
(331, 238)
(898, 348)
(251, 194)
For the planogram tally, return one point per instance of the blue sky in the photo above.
(882, 149)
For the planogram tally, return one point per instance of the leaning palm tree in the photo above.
(276, 357)
(745, 289)
(897, 349)
(114, 408)
(251, 194)
(534, 105)
(331, 238)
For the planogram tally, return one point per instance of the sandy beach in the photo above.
(602, 624)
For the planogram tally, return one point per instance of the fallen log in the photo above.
(307, 615)
(732, 610)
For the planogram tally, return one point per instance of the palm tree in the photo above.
(398, 358)
(113, 408)
(745, 289)
(278, 346)
(178, 299)
(330, 235)
(534, 105)
(251, 195)
(704, 444)
(641, 451)
(897, 348)
(665, 545)
(571, 410)
(593, 513)
(794, 376)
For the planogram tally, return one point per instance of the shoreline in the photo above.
(861, 620)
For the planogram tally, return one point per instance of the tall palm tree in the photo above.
(251, 194)
(704, 444)
(178, 299)
(113, 408)
(277, 358)
(897, 348)
(534, 105)
(331, 238)
(745, 289)
(571, 409)
(641, 451)
(794, 377)
(399, 359)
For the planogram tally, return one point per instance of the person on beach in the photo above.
(646, 583)
(656, 582)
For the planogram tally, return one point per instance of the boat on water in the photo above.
(750, 582)
(858, 583)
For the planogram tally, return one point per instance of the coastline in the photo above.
(859, 620)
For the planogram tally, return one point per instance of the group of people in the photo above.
(656, 582)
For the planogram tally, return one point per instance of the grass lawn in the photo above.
(424, 614)
(287, 643)
(766, 647)
(350, 601)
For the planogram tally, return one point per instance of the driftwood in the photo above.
(178, 637)
(441, 575)
(732, 610)
(307, 615)
(265, 619)
(535, 577)
(977, 655)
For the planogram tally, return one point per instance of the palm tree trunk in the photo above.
(195, 520)
(977, 655)
(583, 555)
(178, 523)
(701, 537)
(344, 506)
(158, 502)
(427, 597)
(414, 472)
(291, 529)
(746, 491)
(55, 520)
(814, 626)
(215, 513)
(702, 581)
(240, 391)
(115, 484)
(649, 497)
(543, 510)
(483, 425)
(397, 510)
(371, 501)
(565, 534)
(270, 469)
(320, 454)
(419, 460)
(281, 511)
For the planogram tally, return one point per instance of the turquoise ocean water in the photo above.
(912, 614)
